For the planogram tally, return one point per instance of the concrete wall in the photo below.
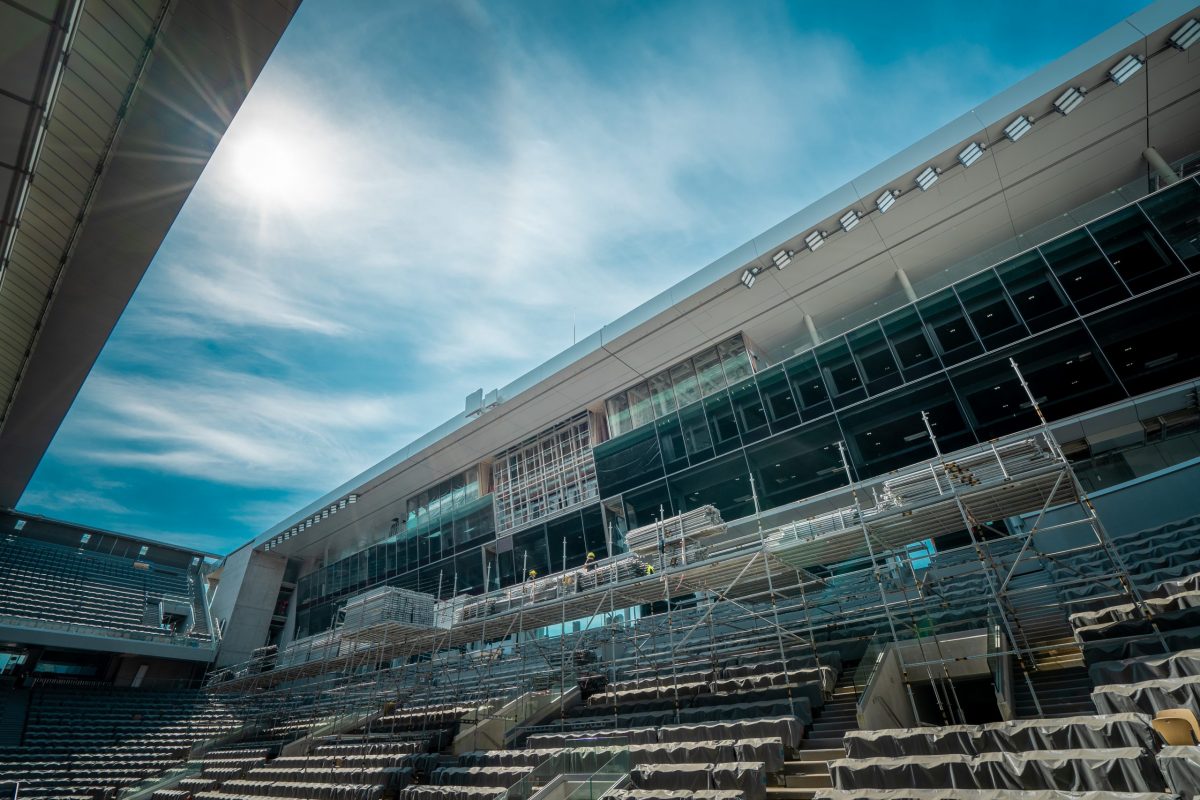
(886, 704)
(245, 600)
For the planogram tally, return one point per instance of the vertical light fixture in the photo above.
(814, 240)
(886, 200)
(1187, 35)
(1125, 69)
(783, 258)
(928, 177)
(849, 220)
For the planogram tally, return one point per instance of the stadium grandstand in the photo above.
(897, 500)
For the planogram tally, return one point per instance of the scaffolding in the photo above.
(695, 593)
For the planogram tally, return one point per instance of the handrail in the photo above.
(868, 666)
(166, 638)
(591, 757)
(147, 787)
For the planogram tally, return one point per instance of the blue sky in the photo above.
(420, 198)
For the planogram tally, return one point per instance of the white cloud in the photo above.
(73, 501)
(235, 429)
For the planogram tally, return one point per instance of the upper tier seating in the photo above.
(51, 583)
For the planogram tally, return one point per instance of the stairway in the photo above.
(1062, 692)
(823, 743)
(13, 707)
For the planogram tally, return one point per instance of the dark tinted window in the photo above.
(749, 412)
(905, 330)
(777, 399)
(875, 359)
(1135, 249)
(1084, 272)
(1176, 214)
(1151, 341)
(840, 372)
(888, 433)
(1036, 292)
(797, 464)
(721, 424)
(722, 483)
(952, 333)
(628, 461)
(670, 438)
(696, 436)
(990, 311)
(808, 387)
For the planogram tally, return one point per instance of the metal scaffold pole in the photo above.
(877, 572)
(762, 544)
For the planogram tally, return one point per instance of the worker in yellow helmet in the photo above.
(532, 574)
(589, 563)
(649, 569)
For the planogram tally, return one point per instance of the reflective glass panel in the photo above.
(721, 422)
(875, 359)
(696, 437)
(670, 437)
(990, 311)
(683, 378)
(840, 372)
(708, 370)
(906, 332)
(808, 387)
(1135, 249)
(1084, 272)
(797, 464)
(1036, 292)
(1151, 341)
(748, 411)
(619, 420)
(777, 398)
(629, 461)
(722, 483)
(662, 394)
(734, 359)
(639, 405)
(952, 333)
(1176, 214)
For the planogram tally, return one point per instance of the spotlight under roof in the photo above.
(814, 240)
(928, 177)
(886, 200)
(849, 220)
(783, 258)
(971, 153)
(749, 276)
(1187, 35)
(1069, 100)
(1125, 69)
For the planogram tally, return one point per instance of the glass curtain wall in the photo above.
(1101, 313)
(544, 476)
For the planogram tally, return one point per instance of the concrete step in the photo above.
(814, 767)
(823, 781)
(821, 750)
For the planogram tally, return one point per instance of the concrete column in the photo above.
(906, 285)
(1160, 166)
(812, 329)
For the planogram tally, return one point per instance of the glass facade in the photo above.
(1096, 315)
(704, 374)
(544, 476)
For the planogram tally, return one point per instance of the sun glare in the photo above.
(278, 168)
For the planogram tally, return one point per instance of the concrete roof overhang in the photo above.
(1019, 193)
(108, 114)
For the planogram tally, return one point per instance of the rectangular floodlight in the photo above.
(1187, 35)
(886, 200)
(748, 278)
(782, 258)
(1125, 69)
(1018, 128)
(1069, 100)
(970, 154)
(849, 220)
(927, 178)
(814, 240)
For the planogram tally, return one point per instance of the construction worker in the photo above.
(589, 563)
(532, 574)
(649, 569)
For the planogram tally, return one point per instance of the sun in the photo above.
(278, 162)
